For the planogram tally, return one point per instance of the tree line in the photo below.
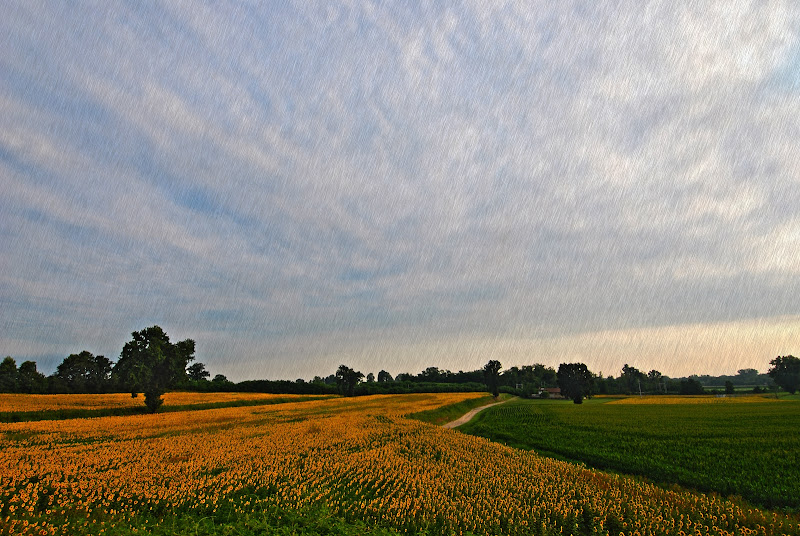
(151, 364)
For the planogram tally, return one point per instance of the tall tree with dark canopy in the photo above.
(30, 379)
(152, 364)
(8, 375)
(785, 372)
(85, 373)
(197, 372)
(575, 381)
(347, 379)
(384, 376)
(491, 376)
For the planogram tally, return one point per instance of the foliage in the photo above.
(355, 462)
(738, 446)
(347, 379)
(30, 380)
(85, 373)
(575, 381)
(197, 372)
(691, 386)
(785, 371)
(491, 375)
(150, 363)
(8, 375)
(384, 376)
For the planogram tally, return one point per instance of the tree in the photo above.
(691, 386)
(150, 363)
(729, 390)
(654, 380)
(197, 372)
(8, 375)
(491, 375)
(30, 380)
(85, 373)
(370, 377)
(575, 381)
(220, 378)
(785, 372)
(347, 379)
(631, 378)
(431, 374)
(384, 376)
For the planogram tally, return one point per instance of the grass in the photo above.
(745, 449)
(449, 413)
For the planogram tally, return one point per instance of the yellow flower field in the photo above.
(359, 456)
(20, 403)
(695, 399)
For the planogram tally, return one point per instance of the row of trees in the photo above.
(575, 381)
(149, 363)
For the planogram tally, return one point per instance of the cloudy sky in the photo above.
(297, 185)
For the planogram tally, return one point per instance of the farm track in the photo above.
(470, 414)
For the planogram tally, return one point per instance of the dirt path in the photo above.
(470, 414)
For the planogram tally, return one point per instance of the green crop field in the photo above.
(748, 449)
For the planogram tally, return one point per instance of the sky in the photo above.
(397, 185)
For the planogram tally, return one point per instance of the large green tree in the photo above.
(152, 364)
(347, 379)
(85, 373)
(8, 375)
(491, 376)
(30, 379)
(785, 372)
(575, 381)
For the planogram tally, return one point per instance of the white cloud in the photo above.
(482, 169)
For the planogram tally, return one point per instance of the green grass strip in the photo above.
(451, 412)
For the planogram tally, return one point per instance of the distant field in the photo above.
(698, 399)
(20, 407)
(335, 466)
(735, 446)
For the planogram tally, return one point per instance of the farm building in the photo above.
(551, 392)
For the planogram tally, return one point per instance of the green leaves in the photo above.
(150, 363)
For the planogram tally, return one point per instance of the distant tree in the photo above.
(384, 376)
(729, 390)
(370, 377)
(632, 379)
(347, 379)
(29, 379)
(404, 377)
(748, 373)
(431, 374)
(654, 380)
(220, 378)
(197, 372)
(575, 381)
(785, 371)
(150, 363)
(691, 386)
(85, 373)
(491, 376)
(8, 376)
